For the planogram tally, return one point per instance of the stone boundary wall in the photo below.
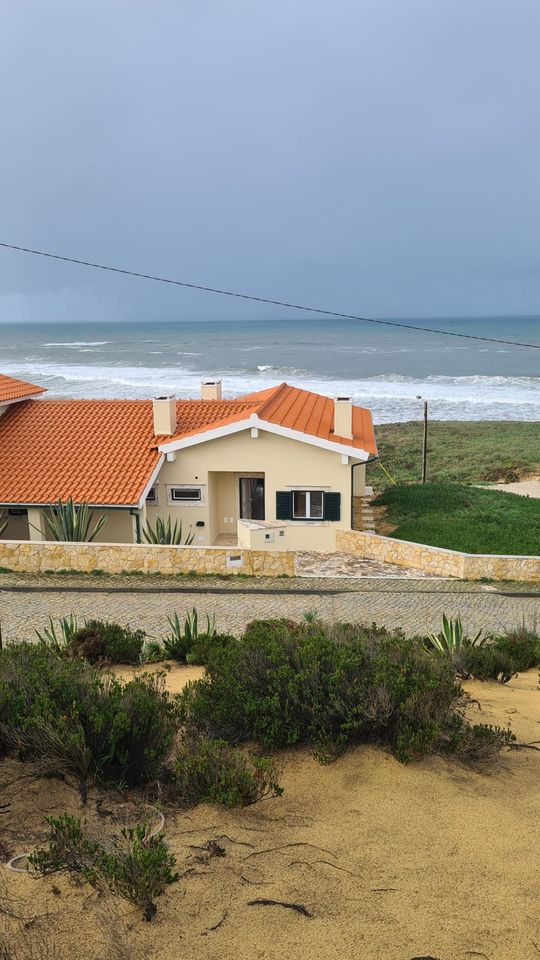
(38, 556)
(437, 560)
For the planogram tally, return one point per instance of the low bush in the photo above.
(478, 743)
(68, 718)
(101, 641)
(522, 645)
(487, 662)
(135, 866)
(213, 772)
(286, 683)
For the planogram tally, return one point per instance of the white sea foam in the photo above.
(390, 397)
(78, 343)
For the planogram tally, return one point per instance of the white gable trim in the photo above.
(151, 482)
(255, 422)
(9, 403)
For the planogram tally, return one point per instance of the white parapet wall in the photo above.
(297, 535)
(39, 556)
(437, 560)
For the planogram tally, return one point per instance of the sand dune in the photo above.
(390, 861)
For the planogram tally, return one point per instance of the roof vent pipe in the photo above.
(164, 410)
(343, 417)
(211, 390)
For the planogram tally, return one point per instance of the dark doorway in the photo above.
(252, 498)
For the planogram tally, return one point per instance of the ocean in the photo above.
(383, 368)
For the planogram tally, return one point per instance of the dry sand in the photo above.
(391, 861)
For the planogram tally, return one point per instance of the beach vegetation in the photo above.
(464, 518)
(211, 771)
(328, 686)
(458, 452)
(522, 645)
(69, 719)
(135, 865)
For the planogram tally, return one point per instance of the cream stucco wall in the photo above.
(119, 526)
(217, 466)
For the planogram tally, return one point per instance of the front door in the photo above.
(252, 498)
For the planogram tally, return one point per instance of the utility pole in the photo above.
(424, 439)
(424, 444)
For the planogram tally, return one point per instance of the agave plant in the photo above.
(70, 522)
(3, 521)
(58, 640)
(179, 643)
(451, 640)
(165, 533)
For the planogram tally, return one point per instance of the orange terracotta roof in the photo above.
(104, 451)
(96, 451)
(295, 409)
(12, 389)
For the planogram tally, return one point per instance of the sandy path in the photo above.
(392, 861)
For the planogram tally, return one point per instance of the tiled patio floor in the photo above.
(345, 566)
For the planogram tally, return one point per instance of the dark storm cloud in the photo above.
(368, 155)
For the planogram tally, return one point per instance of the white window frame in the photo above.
(153, 501)
(308, 515)
(172, 502)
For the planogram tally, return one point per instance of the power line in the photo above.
(275, 303)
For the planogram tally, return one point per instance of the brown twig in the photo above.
(335, 866)
(216, 926)
(283, 846)
(298, 907)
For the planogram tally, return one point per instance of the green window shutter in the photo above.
(332, 506)
(283, 505)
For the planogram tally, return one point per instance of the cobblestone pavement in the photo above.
(26, 602)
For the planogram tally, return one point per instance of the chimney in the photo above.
(211, 390)
(343, 417)
(164, 410)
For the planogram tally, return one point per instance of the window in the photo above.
(186, 494)
(308, 504)
(152, 495)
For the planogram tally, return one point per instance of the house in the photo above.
(276, 469)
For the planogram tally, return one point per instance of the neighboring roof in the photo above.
(12, 389)
(104, 452)
(96, 451)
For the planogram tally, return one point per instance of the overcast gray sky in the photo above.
(374, 156)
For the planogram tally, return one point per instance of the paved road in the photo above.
(27, 602)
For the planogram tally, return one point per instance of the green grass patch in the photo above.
(463, 518)
(458, 452)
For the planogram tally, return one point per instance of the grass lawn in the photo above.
(458, 452)
(463, 518)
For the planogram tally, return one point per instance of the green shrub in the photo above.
(135, 866)
(101, 641)
(213, 772)
(68, 718)
(522, 645)
(477, 743)
(328, 686)
(487, 662)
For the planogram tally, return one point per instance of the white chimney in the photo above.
(343, 417)
(211, 390)
(164, 410)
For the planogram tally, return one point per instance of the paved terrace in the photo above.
(26, 602)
